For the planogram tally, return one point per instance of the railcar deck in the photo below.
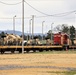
(29, 48)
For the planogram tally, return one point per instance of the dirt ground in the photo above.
(36, 64)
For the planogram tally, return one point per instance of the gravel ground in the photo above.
(36, 64)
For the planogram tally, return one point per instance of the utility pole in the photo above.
(22, 26)
(32, 27)
(75, 24)
(51, 32)
(27, 36)
(69, 32)
(75, 32)
(42, 28)
(14, 24)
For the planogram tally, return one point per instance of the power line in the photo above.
(54, 15)
(47, 15)
(15, 18)
(57, 15)
(35, 8)
(10, 4)
(64, 14)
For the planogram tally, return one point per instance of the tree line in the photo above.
(64, 28)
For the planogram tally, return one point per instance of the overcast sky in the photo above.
(49, 7)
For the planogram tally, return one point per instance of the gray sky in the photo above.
(50, 7)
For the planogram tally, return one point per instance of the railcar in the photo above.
(14, 43)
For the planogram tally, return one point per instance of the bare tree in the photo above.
(62, 28)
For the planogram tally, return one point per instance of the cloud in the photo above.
(49, 7)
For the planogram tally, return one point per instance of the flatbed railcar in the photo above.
(72, 47)
(61, 41)
(29, 48)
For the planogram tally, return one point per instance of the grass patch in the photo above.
(63, 72)
(57, 73)
(57, 52)
(70, 73)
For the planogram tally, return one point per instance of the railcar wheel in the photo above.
(40, 50)
(47, 49)
(2, 51)
(20, 51)
(27, 51)
(12, 51)
(34, 50)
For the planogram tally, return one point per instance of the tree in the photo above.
(49, 34)
(2, 35)
(72, 32)
(62, 28)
